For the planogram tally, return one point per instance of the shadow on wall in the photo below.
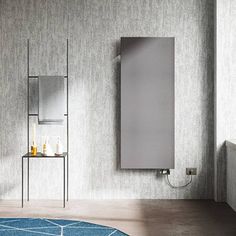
(205, 171)
(117, 74)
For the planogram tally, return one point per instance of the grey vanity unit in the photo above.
(147, 102)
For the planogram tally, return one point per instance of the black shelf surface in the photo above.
(40, 155)
(36, 76)
(34, 114)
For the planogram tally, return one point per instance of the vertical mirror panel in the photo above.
(147, 103)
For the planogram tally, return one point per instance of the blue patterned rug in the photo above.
(36, 227)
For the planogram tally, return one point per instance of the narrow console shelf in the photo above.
(39, 155)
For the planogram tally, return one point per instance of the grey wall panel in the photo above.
(147, 103)
(94, 29)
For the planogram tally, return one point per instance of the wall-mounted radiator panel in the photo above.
(147, 103)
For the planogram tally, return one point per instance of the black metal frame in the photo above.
(31, 114)
(28, 156)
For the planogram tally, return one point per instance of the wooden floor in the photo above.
(137, 217)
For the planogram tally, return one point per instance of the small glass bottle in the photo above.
(58, 147)
(34, 149)
(45, 147)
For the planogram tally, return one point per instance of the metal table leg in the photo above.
(64, 182)
(22, 183)
(28, 180)
(67, 177)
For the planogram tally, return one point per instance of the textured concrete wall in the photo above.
(94, 29)
(225, 89)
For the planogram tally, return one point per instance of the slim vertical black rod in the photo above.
(22, 183)
(27, 118)
(64, 182)
(67, 106)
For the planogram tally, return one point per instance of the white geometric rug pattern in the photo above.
(53, 227)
